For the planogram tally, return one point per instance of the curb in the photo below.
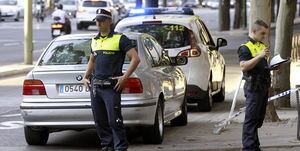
(11, 70)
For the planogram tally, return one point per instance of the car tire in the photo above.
(206, 104)
(36, 136)
(155, 134)
(17, 18)
(79, 26)
(220, 96)
(182, 119)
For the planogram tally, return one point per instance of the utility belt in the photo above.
(106, 83)
(256, 83)
(103, 84)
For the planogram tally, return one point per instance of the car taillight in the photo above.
(194, 52)
(133, 85)
(33, 87)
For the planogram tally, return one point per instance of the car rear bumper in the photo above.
(79, 114)
(194, 93)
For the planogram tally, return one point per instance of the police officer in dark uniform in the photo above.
(104, 76)
(253, 56)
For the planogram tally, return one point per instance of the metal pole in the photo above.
(28, 46)
(298, 109)
(235, 96)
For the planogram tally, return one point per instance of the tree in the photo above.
(224, 15)
(273, 11)
(151, 3)
(164, 3)
(237, 14)
(283, 46)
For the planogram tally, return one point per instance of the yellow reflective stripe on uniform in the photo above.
(107, 43)
(256, 48)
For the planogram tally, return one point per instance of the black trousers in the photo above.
(106, 107)
(256, 104)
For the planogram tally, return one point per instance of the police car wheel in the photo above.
(205, 105)
(36, 136)
(79, 26)
(182, 119)
(17, 17)
(220, 97)
(155, 134)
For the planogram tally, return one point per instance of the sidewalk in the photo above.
(14, 69)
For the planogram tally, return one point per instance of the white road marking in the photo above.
(11, 125)
(11, 44)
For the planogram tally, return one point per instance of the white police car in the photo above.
(184, 34)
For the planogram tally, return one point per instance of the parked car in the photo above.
(55, 99)
(70, 6)
(191, 3)
(12, 9)
(214, 4)
(182, 33)
(87, 12)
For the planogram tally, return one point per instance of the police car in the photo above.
(182, 33)
(55, 99)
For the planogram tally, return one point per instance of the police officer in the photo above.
(104, 76)
(253, 57)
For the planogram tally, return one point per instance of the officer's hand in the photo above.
(121, 83)
(86, 82)
(265, 53)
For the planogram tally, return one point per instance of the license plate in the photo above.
(56, 32)
(72, 89)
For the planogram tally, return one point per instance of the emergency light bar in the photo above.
(157, 11)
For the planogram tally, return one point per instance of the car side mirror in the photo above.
(179, 60)
(165, 53)
(221, 42)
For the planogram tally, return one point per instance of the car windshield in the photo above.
(67, 52)
(8, 2)
(94, 4)
(168, 35)
(68, 2)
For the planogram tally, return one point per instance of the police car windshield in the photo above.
(94, 4)
(68, 2)
(168, 35)
(67, 52)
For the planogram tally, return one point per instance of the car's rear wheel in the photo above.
(220, 96)
(17, 17)
(79, 26)
(155, 134)
(36, 136)
(182, 119)
(206, 104)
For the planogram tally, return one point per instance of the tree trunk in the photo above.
(273, 11)
(200, 2)
(261, 10)
(277, 11)
(237, 14)
(164, 3)
(244, 14)
(283, 46)
(224, 15)
(139, 4)
(151, 3)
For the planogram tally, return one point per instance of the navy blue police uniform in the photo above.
(109, 53)
(256, 93)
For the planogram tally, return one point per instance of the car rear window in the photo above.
(71, 52)
(68, 52)
(168, 35)
(94, 4)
